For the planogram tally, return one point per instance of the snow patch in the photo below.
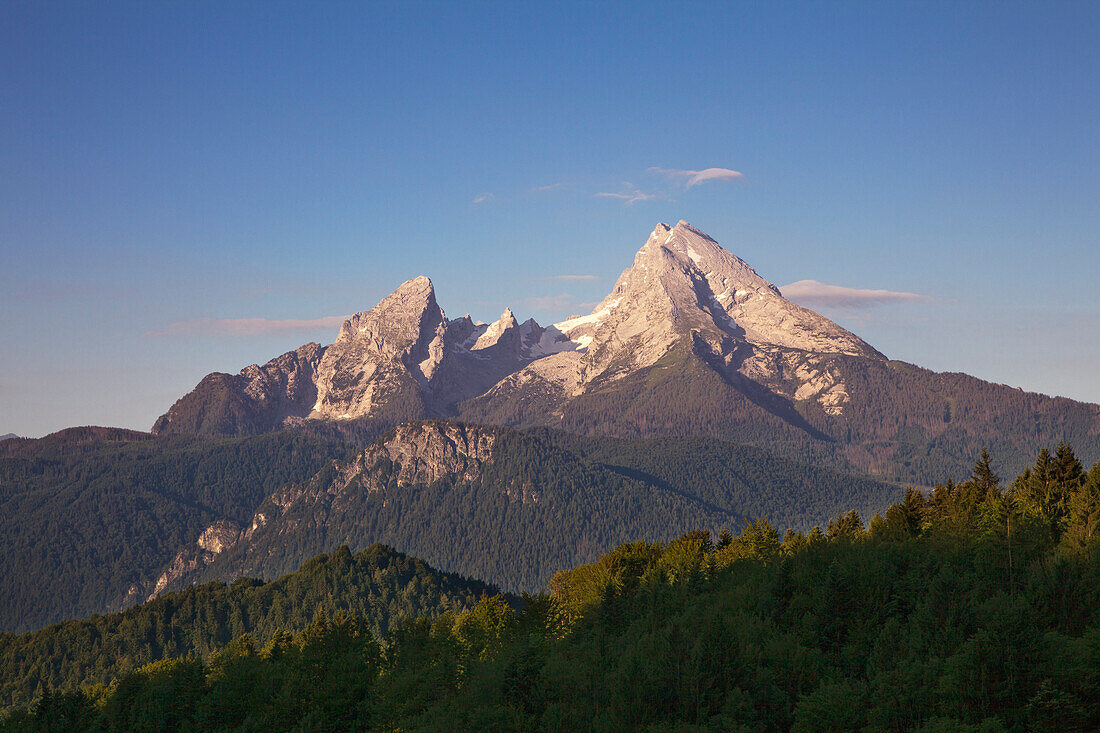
(568, 325)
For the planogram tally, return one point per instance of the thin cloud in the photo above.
(551, 187)
(586, 278)
(483, 198)
(630, 196)
(561, 302)
(245, 326)
(694, 178)
(812, 293)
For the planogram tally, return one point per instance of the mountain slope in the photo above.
(691, 341)
(512, 508)
(258, 400)
(379, 586)
(89, 513)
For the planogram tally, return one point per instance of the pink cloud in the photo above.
(246, 326)
(811, 293)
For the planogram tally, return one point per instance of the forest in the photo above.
(379, 586)
(975, 607)
(92, 511)
(545, 500)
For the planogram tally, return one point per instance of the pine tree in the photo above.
(982, 476)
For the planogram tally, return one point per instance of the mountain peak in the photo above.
(379, 351)
(683, 282)
(496, 330)
(419, 287)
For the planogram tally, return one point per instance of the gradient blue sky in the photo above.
(165, 166)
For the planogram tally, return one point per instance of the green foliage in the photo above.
(377, 586)
(973, 609)
(548, 500)
(91, 512)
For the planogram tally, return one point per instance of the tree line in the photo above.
(973, 608)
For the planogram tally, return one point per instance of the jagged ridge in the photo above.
(690, 341)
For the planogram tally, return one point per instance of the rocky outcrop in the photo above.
(685, 292)
(257, 400)
(188, 562)
(403, 359)
(415, 454)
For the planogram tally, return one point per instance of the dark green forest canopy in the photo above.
(89, 512)
(378, 586)
(975, 608)
(547, 500)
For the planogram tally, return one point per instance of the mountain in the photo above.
(401, 360)
(512, 508)
(379, 586)
(99, 519)
(684, 290)
(690, 342)
(8, 436)
(919, 622)
(258, 400)
(91, 513)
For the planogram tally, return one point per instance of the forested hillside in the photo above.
(972, 609)
(377, 586)
(533, 503)
(749, 482)
(89, 512)
(92, 516)
(902, 423)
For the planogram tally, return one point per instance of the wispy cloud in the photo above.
(812, 293)
(630, 195)
(246, 326)
(694, 178)
(557, 303)
(483, 198)
(551, 187)
(586, 278)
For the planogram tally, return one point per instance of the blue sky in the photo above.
(165, 167)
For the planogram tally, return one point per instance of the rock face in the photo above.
(403, 359)
(383, 356)
(685, 292)
(192, 559)
(683, 283)
(690, 341)
(257, 400)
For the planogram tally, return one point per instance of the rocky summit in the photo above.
(404, 357)
(685, 290)
(691, 341)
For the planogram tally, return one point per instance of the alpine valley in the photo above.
(693, 396)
